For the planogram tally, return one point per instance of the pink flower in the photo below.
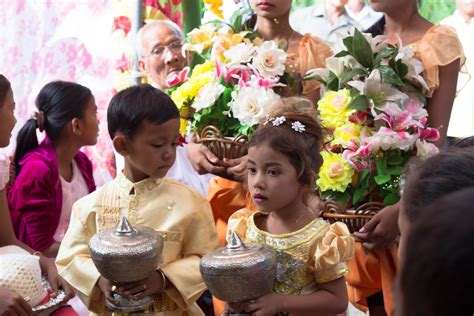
(429, 134)
(122, 23)
(182, 76)
(122, 63)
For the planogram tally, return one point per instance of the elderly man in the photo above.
(159, 46)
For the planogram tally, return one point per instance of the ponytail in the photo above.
(26, 141)
(57, 103)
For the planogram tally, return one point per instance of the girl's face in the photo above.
(271, 9)
(89, 124)
(7, 119)
(272, 180)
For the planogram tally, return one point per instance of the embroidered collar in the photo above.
(128, 187)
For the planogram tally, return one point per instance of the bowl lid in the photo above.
(237, 255)
(124, 235)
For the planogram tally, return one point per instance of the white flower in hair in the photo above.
(277, 121)
(298, 126)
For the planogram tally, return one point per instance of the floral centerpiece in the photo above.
(233, 89)
(375, 111)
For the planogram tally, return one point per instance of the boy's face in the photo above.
(152, 150)
(7, 119)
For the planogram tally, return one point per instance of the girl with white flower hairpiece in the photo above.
(304, 52)
(284, 157)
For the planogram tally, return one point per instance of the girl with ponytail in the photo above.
(53, 174)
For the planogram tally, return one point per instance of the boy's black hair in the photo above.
(437, 274)
(5, 86)
(129, 108)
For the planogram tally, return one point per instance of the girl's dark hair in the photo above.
(59, 102)
(449, 171)
(302, 149)
(437, 273)
(129, 108)
(5, 86)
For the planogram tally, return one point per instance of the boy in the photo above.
(144, 125)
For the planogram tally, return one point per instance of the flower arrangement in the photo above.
(233, 88)
(375, 110)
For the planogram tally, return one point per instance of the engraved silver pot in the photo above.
(239, 272)
(125, 253)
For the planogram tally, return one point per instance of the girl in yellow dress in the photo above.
(284, 156)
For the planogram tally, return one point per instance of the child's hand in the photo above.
(105, 286)
(138, 290)
(269, 304)
(56, 281)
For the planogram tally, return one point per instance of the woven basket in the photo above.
(356, 218)
(223, 147)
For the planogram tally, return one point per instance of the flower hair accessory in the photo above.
(297, 126)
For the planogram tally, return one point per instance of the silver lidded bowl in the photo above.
(125, 253)
(239, 272)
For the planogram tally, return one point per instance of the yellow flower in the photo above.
(201, 37)
(333, 108)
(224, 42)
(183, 124)
(343, 134)
(201, 76)
(335, 174)
(215, 7)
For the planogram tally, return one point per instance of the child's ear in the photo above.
(76, 126)
(120, 143)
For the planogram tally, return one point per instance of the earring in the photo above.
(275, 20)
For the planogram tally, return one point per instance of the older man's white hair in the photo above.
(139, 38)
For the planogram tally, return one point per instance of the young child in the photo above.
(449, 171)
(53, 175)
(10, 302)
(437, 274)
(144, 125)
(284, 157)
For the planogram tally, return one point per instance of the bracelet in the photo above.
(164, 280)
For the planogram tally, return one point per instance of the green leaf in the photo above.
(360, 103)
(351, 75)
(390, 76)
(401, 69)
(391, 199)
(382, 178)
(358, 195)
(342, 53)
(348, 43)
(395, 158)
(381, 164)
(237, 21)
(385, 52)
(333, 82)
(361, 49)
(395, 171)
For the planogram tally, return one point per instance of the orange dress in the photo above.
(375, 271)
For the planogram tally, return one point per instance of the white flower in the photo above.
(298, 126)
(380, 92)
(207, 95)
(415, 67)
(277, 121)
(240, 53)
(270, 60)
(425, 149)
(250, 105)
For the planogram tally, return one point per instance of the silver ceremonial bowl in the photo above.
(239, 272)
(125, 253)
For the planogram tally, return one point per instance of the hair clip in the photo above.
(298, 126)
(277, 121)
